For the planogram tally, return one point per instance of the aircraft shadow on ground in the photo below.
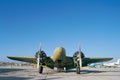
(52, 78)
(24, 78)
(4, 70)
(86, 71)
(14, 78)
(74, 71)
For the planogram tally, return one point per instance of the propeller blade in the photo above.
(40, 47)
(38, 61)
(38, 58)
(79, 49)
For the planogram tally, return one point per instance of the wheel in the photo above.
(78, 70)
(40, 69)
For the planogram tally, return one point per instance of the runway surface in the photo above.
(29, 73)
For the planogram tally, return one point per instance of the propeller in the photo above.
(77, 57)
(39, 63)
(80, 55)
(78, 60)
(38, 56)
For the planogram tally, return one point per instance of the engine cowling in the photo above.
(42, 55)
(75, 56)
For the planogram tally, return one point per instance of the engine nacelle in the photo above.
(76, 56)
(42, 55)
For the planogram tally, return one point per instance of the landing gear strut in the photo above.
(40, 69)
(78, 68)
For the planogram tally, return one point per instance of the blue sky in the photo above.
(95, 24)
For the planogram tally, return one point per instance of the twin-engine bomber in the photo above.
(59, 60)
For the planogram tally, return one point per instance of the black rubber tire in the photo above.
(40, 69)
(78, 70)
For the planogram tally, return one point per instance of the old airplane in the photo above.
(59, 60)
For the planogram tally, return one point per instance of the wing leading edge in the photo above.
(48, 62)
(23, 59)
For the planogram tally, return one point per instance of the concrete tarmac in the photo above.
(30, 73)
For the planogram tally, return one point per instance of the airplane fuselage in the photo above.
(59, 58)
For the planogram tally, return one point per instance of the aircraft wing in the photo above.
(85, 61)
(23, 59)
(69, 63)
(48, 62)
(94, 60)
